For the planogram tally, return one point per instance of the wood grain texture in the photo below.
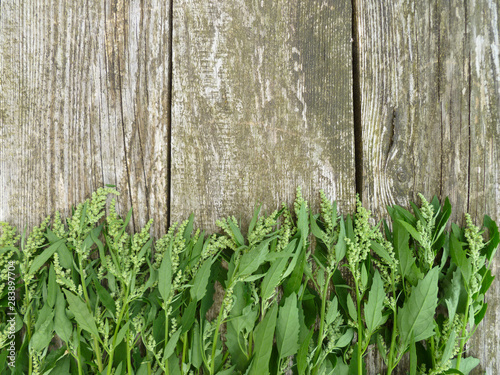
(429, 84)
(261, 104)
(414, 102)
(84, 102)
(484, 177)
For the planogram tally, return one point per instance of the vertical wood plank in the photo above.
(414, 99)
(261, 104)
(429, 103)
(484, 197)
(84, 102)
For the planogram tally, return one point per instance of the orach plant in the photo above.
(300, 293)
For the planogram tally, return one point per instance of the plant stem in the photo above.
(87, 301)
(321, 323)
(184, 348)
(129, 359)
(360, 331)
(118, 322)
(390, 365)
(462, 335)
(79, 361)
(216, 335)
(166, 338)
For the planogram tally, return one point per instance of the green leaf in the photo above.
(263, 338)
(82, 315)
(272, 278)
(165, 276)
(402, 249)
(452, 294)
(52, 287)
(121, 334)
(448, 349)
(171, 344)
(466, 364)
(251, 261)
(62, 324)
(490, 249)
(287, 329)
(255, 217)
(105, 297)
(352, 308)
(332, 311)
(43, 333)
(479, 316)
(380, 251)
(340, 247)
(240, 241)
(40, 260)
(375, 304)
(413, 358)
(411, 230)
(416, 317)
(459, 257)
(345, 339)
(200, 282)
(188, 317)
(302, 354)
(315, 229)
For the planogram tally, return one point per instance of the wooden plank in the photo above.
(484, 188)
(430, 116)
(261, 104)
(84, 101)
(414, 102)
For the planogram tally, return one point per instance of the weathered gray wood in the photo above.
(414, 102)
(261, 104)
(483, 39)
(84, 101)
(429, 111)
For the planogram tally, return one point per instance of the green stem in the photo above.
(166, 338)
(28, 327)
(79, 360)
(129, 359)
(216, 336)
(87, 301)
(321, 323)
(118, 322)
(360, 331)
(462, 335)
(433, 357)
(390, 365)
(184, 349)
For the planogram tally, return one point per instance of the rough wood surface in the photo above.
(261, 104)
(84, 102)
(429, 86)
(484, 176)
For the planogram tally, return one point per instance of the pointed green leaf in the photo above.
(51, 287)
(416, 317)
(171, 344)
(200, 281)
(251, 261)
(272, 278)
(40, 260)
(287, 329)
(459, 257)
(452, 294)
(165, 276)
(62, 324)
(375, 304)
(263, 338)
(82, 315)
(340, 247)
(352, 308)
(411, 230)
(302, 354)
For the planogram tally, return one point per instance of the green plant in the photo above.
(299, 292)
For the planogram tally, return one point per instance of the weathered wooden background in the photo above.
(214, 106)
